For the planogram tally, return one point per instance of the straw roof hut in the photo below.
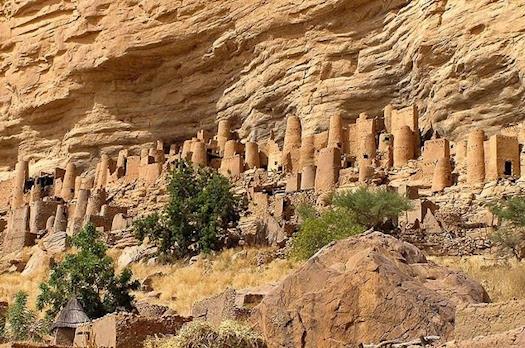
(68, 319)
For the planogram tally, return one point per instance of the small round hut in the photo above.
(68, 319)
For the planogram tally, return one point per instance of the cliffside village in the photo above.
(369, 151)
(376, 151)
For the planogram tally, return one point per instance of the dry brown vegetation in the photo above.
(11, 283)
(180, 285)
(202, 334)
(503, 279)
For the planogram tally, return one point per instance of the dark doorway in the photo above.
(508, 168)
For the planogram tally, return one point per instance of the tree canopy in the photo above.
(351, 213)
(201, 209)
(87, 274)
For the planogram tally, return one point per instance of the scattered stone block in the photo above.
(39, 258)
(55, 243)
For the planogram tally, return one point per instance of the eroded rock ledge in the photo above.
(80, 76)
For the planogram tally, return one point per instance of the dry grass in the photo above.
(11, 283)
(182, 284)
(114, 254)
(503, 279)
(202, 334)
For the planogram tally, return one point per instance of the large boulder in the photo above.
(55, 242)
(39, 260)
(364, 290)
(135, 254)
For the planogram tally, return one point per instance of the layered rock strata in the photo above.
(80, 76)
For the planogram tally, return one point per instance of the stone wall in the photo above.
(17, 236)
(126, 330)
(218, 308)
(503, 157)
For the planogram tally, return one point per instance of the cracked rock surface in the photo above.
(78, 77)
(364, 290)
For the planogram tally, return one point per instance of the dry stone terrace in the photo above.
(385, 150)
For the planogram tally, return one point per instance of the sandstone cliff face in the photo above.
(80, 76)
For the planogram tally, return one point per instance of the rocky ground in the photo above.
(348, 294)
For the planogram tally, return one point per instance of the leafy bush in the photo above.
(306, 211)
(200, 210)
(317, 231)
(511, 235)
(371, 208)
(352, 213)
(150, 226)
(88, 275)
(511, 239)
(511, 210)
(202, 334)
(22, 323)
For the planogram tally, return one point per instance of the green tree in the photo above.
(22, 323)
(318, 230)
(511, 235)
(351, 214)
(372, 208)
(89, 275)
(201, 209)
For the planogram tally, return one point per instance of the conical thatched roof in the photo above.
(71, 316)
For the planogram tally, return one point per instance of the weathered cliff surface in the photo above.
(78, 76)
